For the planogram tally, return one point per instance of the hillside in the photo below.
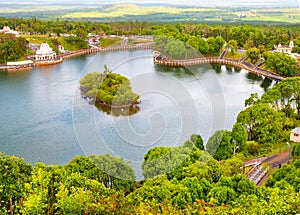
(162, 13)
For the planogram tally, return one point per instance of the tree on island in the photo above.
(109, 88)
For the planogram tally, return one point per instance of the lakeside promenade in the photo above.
(157, 59)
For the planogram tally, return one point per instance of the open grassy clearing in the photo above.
(110, 42)
(168, 14)
(235, 55)
(132, 41)
(122, 10)
(274, 15)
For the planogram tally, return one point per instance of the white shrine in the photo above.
(7, 30)
(285, 49)
(45, 53)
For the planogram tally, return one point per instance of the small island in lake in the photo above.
(109, 89)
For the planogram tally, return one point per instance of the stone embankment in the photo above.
(29, 64)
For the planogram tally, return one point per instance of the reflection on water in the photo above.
(229, 68)
(217, 68)
(254, 77)
(178, 72)
(126, 111)
(237, 69)
(266, 84)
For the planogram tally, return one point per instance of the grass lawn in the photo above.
(123, 10)
(110, 42)
(235, 55)
(132, 41)
(37, 39)
(291, 16)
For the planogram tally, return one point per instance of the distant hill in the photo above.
(205, 3)
(213, 11)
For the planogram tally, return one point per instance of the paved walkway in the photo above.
(258, 174)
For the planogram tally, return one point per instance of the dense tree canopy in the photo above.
(219, 145)
(239, 137)
(11, 48)
(280, 63)
(263, 123)
(285, 96)
(108, 88)
(178, 180)
(14, 174)
(253, 54)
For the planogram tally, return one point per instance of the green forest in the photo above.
(194, 178)
(12, 49)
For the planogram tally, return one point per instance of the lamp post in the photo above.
(289, 145)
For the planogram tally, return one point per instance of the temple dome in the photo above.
(44, 49)
(6, 29)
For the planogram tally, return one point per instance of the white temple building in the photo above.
(285, 49)
(7, 30)
(45, 53)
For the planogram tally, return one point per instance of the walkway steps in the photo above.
(223, 54)
(260, 63)
(105, 49)
(258, 174)
(243, 59)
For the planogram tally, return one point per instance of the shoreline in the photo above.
(97, 101)
(116, 106)
(162, 62)
(217, 60)
(71, 54)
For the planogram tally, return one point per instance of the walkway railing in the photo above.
(105, 49)
(208, 60)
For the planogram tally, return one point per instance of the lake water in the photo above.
(45, 119)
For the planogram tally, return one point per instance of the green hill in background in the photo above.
(152, 13)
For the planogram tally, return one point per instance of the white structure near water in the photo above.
(285, 49)
(7, 30)
(295, 135)
(45, 53)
